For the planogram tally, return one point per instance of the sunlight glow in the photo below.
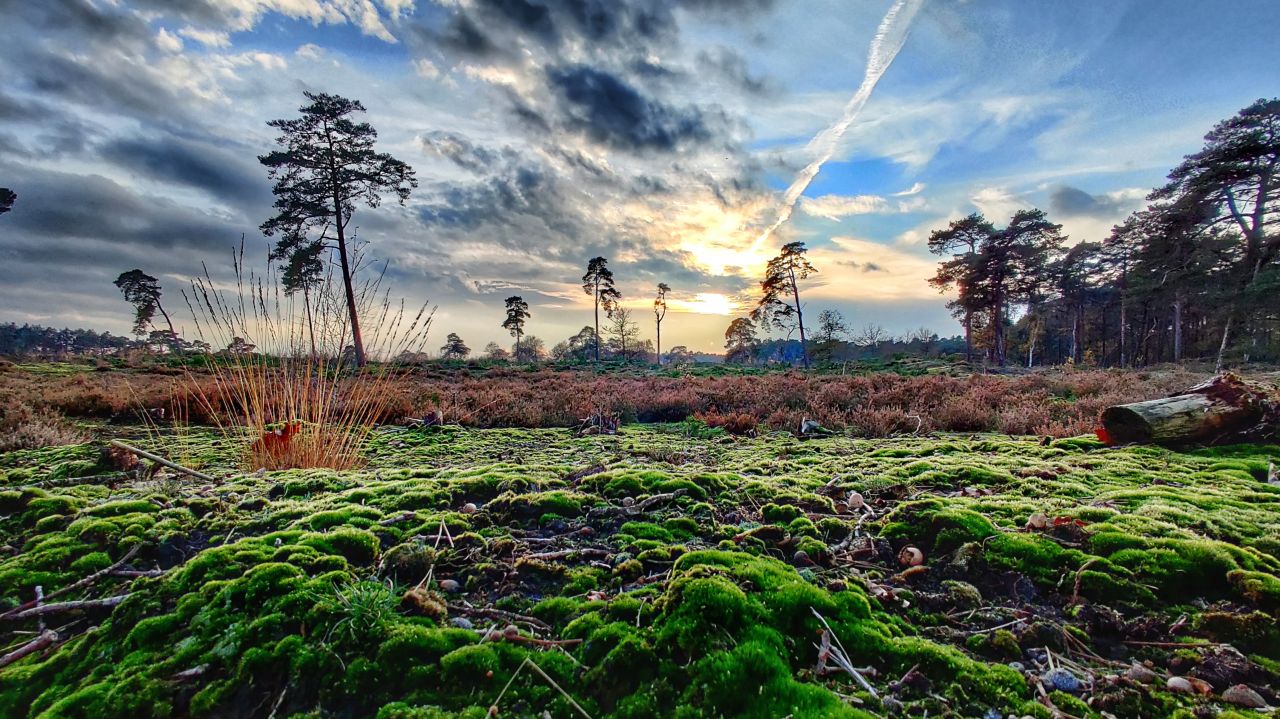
(706, 303)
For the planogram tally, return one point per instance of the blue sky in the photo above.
(660, 134)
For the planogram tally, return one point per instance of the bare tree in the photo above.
(623, 331)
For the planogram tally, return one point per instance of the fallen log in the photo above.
(1221, 408)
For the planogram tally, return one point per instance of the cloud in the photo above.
(998, 203)
(1074, 202)
(615, 113)
(882, 273)
(837, 207)
(227, 175)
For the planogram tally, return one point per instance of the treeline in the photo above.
(1195, 274)
(35, 340)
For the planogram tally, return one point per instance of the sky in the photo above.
(661, 134)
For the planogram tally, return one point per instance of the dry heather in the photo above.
(1057, 404)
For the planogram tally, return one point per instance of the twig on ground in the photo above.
(162, 461)
(500, 614)
(841, 657)
(46, 609)
(493, 708)
(78, 584)
(46, 639)
(565, 553)
(1075, 592)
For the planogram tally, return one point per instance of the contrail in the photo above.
(888, 40)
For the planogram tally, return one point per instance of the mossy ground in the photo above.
(288, 593)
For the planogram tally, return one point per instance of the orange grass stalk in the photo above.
(287, 388)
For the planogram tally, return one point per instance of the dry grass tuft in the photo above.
(287, 385)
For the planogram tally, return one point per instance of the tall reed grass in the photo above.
(286, 386)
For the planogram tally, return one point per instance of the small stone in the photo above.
(451, 586)
(1180, 685)
(469, 508)
(1140, 673)
(911, 557)
(628, 501)
(1039, 520)
(461, 623)
(1062, 680)
(1017, 666)
(856, 501)
(1243, 696)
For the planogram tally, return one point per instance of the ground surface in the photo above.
(667, 571)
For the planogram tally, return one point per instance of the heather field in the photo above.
(957, 546)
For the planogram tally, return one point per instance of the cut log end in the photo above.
(1123, 424)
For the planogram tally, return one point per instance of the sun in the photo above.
(707, 303)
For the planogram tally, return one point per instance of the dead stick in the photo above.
(162, 461)
(44, 609)
(77, 584)
(565, 553)
(500, 614)
(47, 638)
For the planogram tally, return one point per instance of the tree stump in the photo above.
(1225, 406)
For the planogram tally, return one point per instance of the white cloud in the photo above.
(835, 207)
(208, 38)
(998, 203)
(426, 69)
(168, 42)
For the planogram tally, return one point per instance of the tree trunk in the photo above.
(1213, 410)
(597, 302)
(1177, 329)
(1124, 319)
(356, 340)
(659, 343)
(968, 335)
(311, 325)
(1226, 334)
(804, 347)
(166, 319)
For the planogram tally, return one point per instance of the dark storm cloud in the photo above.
(1074, 202)
(551, 23)
(615, 113)
(224, 174)
(513, 195)
(60, 208)
(464, 153)
(80, 19)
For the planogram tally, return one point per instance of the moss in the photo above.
(470, 665)
(1261, 589)
(357, 546)
(271, 575)
(779, 514)
(409, 562)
